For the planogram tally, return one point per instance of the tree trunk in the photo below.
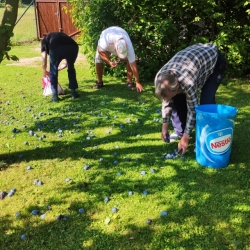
(7, 26)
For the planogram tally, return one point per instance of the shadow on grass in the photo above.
(76, 233)
(80, 118)
(239, 98)
(201, 214)
(202, 204)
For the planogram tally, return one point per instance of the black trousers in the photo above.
(68, 52)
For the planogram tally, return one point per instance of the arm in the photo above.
(44, 63)
(105, 57)
(183, 143)
(134, 69)
(164, 132)
(63, 65)
(166, 114)
(192, 101)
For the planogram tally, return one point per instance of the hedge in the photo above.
(159, 29)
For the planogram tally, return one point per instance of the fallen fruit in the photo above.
(164, 213)
(86, 167)
(42, 216)
(2, 195)
(114, 210)
(106, 199)
(59, 217)
(68, 180)
(39, 183)
(17, 214)
(23, 236)
(34, 212)
(81, 210)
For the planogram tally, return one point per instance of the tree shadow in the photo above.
(201, 213)
(202, 203)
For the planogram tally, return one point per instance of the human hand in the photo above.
(139, 87)
(46, 73)
(183, 144)
(164, 133)
(113, 64)
(62, 66)
(165, 137)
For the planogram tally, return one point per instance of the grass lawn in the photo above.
(25, 28)
(116, 132)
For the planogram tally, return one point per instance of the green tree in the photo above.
(6, 28)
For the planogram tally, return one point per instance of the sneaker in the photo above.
(98, 85)
(131, 85)
(174, 137)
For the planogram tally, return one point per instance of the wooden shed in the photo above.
(51, 17)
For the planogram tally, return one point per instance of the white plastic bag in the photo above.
(47, 87)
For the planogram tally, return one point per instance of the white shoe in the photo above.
(174, 137)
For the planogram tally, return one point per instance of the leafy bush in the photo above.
(161, 28)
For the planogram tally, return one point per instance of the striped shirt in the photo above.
(192, 66)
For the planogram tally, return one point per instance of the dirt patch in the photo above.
(30, 62)
(36, 61)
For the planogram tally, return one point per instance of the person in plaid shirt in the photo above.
(197, 69)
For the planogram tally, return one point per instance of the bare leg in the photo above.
(99, 71)
(129, 72)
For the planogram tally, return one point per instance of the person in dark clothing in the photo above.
(59, 46)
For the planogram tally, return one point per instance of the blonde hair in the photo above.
(161, 87)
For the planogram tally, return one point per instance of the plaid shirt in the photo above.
(192, 66)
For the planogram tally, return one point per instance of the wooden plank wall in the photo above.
(51, 17)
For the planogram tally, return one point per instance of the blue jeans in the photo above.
(208, 91)
(68, 52)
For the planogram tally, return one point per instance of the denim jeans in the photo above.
(208, 91)
(68, 52)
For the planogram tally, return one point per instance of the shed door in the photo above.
(52, 18)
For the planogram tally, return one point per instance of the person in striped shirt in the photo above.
(191, 76)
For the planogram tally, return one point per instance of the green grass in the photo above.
(25, 29)
(207, 208)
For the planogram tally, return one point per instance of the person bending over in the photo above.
(116, 41)
(197, 68)
(59, 46)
